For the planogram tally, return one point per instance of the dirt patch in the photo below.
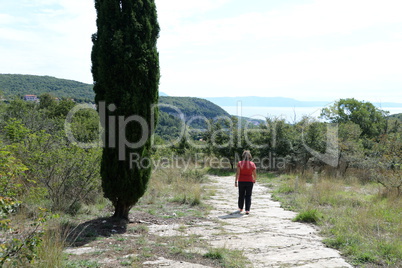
(145, 241)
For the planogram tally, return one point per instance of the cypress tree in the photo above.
(125, 69)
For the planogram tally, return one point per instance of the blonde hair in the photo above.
(247, 155)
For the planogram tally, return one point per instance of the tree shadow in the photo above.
(84, 233)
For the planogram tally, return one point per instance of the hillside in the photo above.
(191, 107)
(19, 85)
(396, 116)
(174, 111)
(171, 108)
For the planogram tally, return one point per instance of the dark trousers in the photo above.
(245, 191)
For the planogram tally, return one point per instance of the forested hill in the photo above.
(190, 107)
(174, 111)
(396, 116)
(19, 85)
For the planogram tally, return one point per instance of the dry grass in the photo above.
(175, 185)
(359, 219)
(50, 251)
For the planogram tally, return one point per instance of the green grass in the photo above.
(266, 177)
(81, 264)
(285, 189)
(228, 258)
(126, 263)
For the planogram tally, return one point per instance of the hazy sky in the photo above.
(307, 50)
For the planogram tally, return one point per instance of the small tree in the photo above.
(226, 139)
(350, 146)
(125, 68)
(371, 120)
(387, 162)
(47, 101)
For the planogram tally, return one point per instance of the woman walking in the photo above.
(246, 175)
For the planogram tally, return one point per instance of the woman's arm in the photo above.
(237, 176)
(254, 175)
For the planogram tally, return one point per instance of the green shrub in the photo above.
(310, 216)
(215, 254)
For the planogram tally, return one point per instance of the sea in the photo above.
(290, 114)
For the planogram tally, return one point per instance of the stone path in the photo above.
(267, 236)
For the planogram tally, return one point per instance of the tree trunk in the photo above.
(121, 210)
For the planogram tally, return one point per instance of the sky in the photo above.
(301, 49)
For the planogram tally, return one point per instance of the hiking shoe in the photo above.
(247, 212)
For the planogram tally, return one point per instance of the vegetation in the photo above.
(174, 112)
(49, 185)
(47, 181)
(58, 187)
(161, 204)
(126, 76)
(310, 216)
(371, 120)
(191, 108)
(360, 219)
(228, 258)
(396, 116)
(178, 115)
(19, 85)
(226, 139)
(41, 175)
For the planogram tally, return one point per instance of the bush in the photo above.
(310, 216)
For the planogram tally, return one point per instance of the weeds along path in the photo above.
(267, 236)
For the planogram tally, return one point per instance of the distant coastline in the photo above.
(290, 114)
(252, 101)
(281, 107)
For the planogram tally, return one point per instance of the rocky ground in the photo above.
(267, 237)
